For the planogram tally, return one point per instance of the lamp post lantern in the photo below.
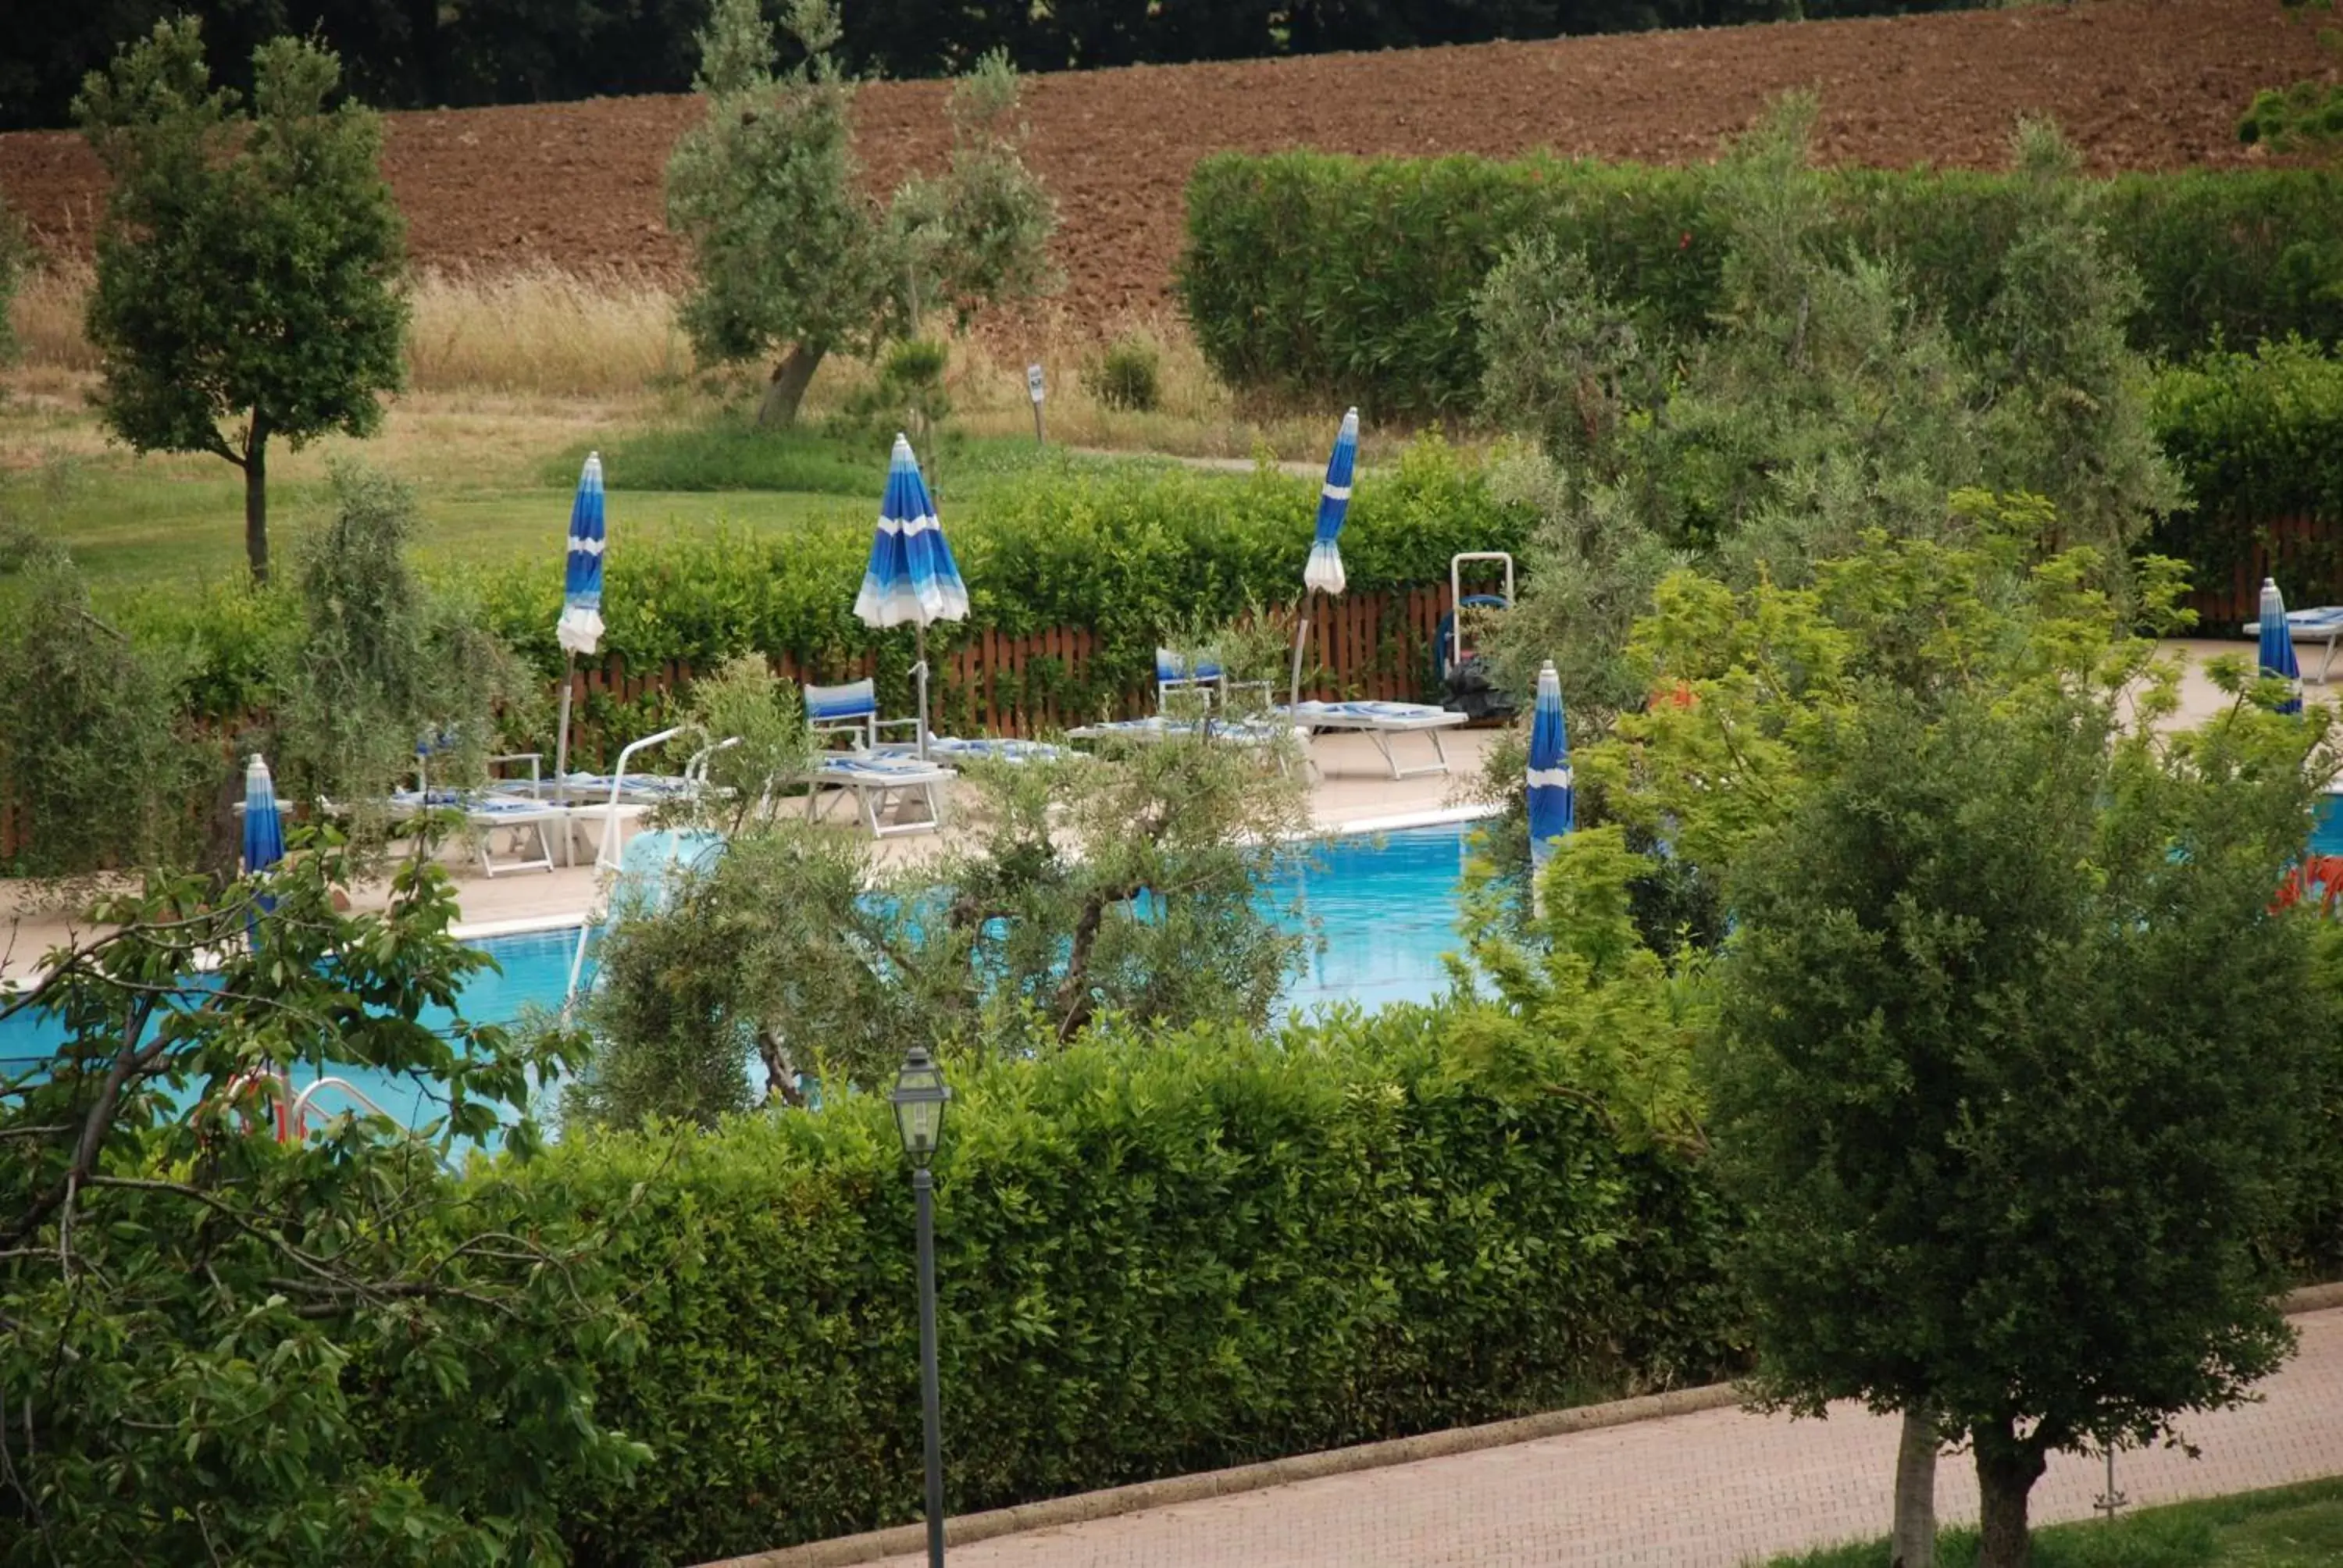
(919, 1097)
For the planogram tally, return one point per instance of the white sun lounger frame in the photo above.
(1383, 729)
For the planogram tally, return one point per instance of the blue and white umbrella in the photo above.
(912, 580)
(2277, 644)
(264, 830)
(1323, 571)
(580, 630)
(1552, 806)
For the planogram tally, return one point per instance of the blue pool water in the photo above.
(1384, 906)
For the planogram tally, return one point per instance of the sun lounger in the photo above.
(2323, 624)
(852, 710)
(881, 783)
(989, 748)
(1156, 728)
(1383, 723)
(1204, 675)
(485, 813)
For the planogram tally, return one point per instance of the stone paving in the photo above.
(1717, 1489)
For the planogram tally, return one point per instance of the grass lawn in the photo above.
(494, 481)
(2288, 1527)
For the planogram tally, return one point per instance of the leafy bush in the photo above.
(1347, 279)
(2256, 438)
(103, 767)
(1129, 374)
(1157, 1254)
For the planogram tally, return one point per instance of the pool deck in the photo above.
(1353, 793)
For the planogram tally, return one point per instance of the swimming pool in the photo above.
(1384, 906)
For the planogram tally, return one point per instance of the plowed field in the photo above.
(2139, 84)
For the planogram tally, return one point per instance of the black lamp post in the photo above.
(919, 1097)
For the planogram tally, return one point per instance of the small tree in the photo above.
(2016, 1071)
(383, 664)
(94, 747)
(1094, 888)
(792, 261)
(248, 265)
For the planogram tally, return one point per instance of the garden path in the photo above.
(1713, 1489)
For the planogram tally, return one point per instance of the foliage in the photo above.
(1158, 1252)
(1994, 936)
(792, 260)
(1579, 998)
(97, 756)
(725, 452)
(2307, 115)
(765, 745)
(1091, 890)
(383, 666)
(247, 266)
(2255, 438)
(908, 396)
(1821, 404)
(1338, 280)
(2004, 999)
(225, 1347)
(1127, 374)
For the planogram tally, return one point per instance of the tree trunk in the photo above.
(1914, 1543)
(2007, 1471)
(256, 505)
(787, 389)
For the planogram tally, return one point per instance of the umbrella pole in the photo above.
(1301, 633)
(919, 669)
(561, 738)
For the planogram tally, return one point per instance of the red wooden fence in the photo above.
(1374, 646)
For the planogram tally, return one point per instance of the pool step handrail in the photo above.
(301, 1101)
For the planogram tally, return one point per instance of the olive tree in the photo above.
(792, 261)
(1089, 889)
(2003, 998)
(248, 265)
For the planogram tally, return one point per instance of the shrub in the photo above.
(2256, 438)
(1129, 374)
(1157, 1254)
(1345, 279)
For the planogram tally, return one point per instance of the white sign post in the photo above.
(1033, 390)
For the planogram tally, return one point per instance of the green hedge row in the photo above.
(2258, 439)
(1156, 1256)
(1338, 279)
(1134, 553)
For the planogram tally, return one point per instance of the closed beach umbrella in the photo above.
(1324, 572)
(580, 630)
(1552, 809)
(2277, 644)
(912, 580)
(264, 831)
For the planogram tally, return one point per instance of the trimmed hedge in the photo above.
(1134, 553)
(1156, 1256)
(2256, 437)
(1334, 279)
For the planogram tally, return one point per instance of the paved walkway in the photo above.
(1712, 1489)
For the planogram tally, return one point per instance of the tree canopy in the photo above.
(792, 260)
(248, 265)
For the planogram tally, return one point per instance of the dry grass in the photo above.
(544, 334)
(545, 330)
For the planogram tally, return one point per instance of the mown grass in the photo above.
(2286, 1527)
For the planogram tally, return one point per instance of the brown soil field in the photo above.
(2138, 84)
